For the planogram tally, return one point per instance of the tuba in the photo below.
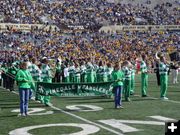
(158, 55)
(162, 54)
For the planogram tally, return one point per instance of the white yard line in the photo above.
(173, 86)
(172, 101)
(83, 119)
(87, 121)
(161, 118)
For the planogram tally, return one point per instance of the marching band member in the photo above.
(46, 77)
(156, 70)
(77, 77)
(66, 73)
(133, 71)
(71, 72)
(29, 63)
(83, 72)
(99, 71)
(4, 69)
(163, 70)
(36, 75)
(63, 66)
(127, 81)
(109, 71)
(12, 70)
(90, 72)
(144, 76)
(96, 67)
(104, 73)
(58, 76)
(156, 64)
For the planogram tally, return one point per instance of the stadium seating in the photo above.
(90, 13)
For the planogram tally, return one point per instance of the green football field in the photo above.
(92, 115)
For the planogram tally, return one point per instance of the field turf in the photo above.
(138, 109)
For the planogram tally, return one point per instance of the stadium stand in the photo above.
(90, 13)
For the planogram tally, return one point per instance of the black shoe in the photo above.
(144, 96)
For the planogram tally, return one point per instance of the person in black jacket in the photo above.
(156, 70)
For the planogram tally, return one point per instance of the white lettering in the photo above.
(87, 129)
(92, 108)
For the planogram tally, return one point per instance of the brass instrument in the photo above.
(158, 55)
(166, 55)
(52, 64)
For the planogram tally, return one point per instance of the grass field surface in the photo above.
(134, 119)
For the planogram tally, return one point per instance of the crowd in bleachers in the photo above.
(88, 12)
(86, 46)
(99, 45)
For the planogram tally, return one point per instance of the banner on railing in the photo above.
(114, 28)
(75, 89)
(25, 27)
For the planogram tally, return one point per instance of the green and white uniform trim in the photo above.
(109, 72)
(71, 73)
(90, 72)
(46, 73)
(163, 68)
(35, 72)
(77, 75)
(127, 73)
(127, 82)
(143, 67)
